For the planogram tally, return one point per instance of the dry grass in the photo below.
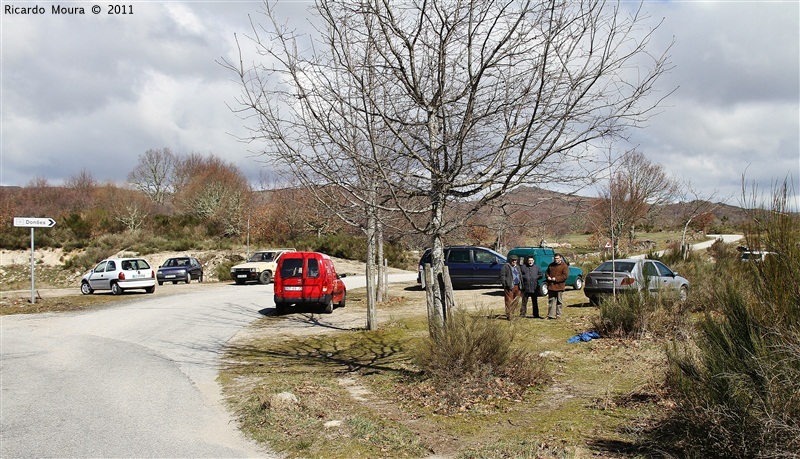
(600, 394)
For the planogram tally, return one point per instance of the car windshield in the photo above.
(177, 262)
(263, 256)
(618, 266)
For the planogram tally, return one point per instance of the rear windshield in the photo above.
(292, 267)
(619, 266)
(134, 265)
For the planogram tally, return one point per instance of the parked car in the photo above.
(308, 279)
(118, 275)
(755, 255)
(543, 256)
(180, 269)
(468, 265)
(259, 267)
(627, 274)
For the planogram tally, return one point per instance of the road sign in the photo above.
(34, 222)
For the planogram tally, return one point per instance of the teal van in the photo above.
(543, 256)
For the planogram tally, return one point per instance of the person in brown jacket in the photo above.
(556, 275)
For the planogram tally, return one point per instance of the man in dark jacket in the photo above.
(530, 287)
(556, 275)
(511, 278)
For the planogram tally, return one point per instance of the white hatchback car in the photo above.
(118, 275)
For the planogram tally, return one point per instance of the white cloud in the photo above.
(97, 91)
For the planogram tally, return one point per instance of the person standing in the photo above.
(511, 278)
(530, 286)
(556, 274)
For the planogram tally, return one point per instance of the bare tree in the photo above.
(636, 190)
(153, 174)
(84, 185)
(443, 102)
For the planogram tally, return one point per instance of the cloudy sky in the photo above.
(95, 91)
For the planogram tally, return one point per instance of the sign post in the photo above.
(33, 222)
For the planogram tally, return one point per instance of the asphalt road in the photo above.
(135, 379)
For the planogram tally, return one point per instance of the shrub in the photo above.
(737, 383)
(474, 361)
(634, 314)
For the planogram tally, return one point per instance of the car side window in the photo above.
(482, 256)
(458, 256)
(101, 267)
(111, 267)
(313, 267)
(650, 269)
(665, 272)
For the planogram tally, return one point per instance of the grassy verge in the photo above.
(17, 304)
(348, 392)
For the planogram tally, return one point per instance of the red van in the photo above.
(308, 278)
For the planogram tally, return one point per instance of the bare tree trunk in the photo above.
(382, 292)
(372, 313)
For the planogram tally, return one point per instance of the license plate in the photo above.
(242, 276)
(137, 276)
(293, 289)
(170, 276)
(604, 282)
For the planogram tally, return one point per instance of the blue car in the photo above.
(180, 269)
(469, 266)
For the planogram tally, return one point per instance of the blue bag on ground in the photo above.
(586, 336)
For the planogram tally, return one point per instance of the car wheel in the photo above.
(579, 283)
(543, 289)
(86, 289)
(280, 307)
(116, 289)
(684, 293)
(160, 283)
(150, 289)
(329, 306)
(344, 300)
(265, 277)
(188, 278)
(200, 279)
(594, 301)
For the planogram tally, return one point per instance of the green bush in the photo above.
(635, 314)
(737, 382)
(474, 361)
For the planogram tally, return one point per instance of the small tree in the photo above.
(153, 174)
(211, 189)
(635, 192)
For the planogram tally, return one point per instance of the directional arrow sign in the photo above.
(34, 222)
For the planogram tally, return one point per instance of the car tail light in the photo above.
(627, 281)
(152, 273)
(121, 276)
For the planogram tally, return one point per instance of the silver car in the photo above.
(629, 273)
(118, 275)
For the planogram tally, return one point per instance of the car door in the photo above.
(652, 277)
(100, 278)
(460, 266)
(486, 267)
(666, 276)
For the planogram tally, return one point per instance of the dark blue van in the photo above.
(468, 265)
